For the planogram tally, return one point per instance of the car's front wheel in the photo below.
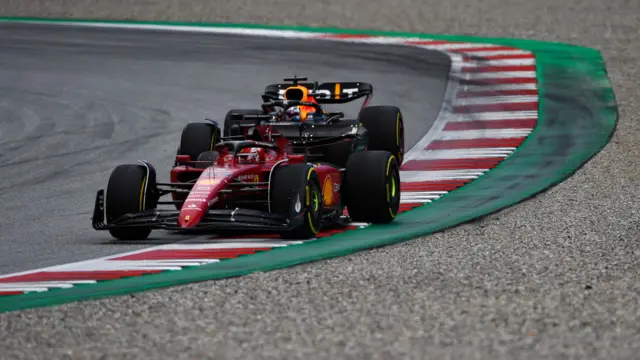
(295, 193)
(130, 190)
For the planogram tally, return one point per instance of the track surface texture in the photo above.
(75, 103)
(554, 277)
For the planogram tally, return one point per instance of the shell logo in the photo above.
(327, 190)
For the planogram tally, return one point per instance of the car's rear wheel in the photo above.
(295, 193)
(372, 186)
(229, 122)
(130, 190)
(385, 129)
(198, 138)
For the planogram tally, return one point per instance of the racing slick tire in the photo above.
(385, 129)
(198, 138)
(294, 192)
(130, 190)
(229, 122)
(372, 187)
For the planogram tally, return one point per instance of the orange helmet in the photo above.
(299, 93)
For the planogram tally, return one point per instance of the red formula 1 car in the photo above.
(268, 173)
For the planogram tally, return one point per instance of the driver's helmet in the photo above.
(294, 114)
(254, 155)
(299, 113)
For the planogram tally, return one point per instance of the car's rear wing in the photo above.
(326, 93)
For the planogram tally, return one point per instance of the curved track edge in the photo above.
(575, 117)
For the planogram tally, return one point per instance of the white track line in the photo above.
(459, 46)
(497, 115)
(416, 176)
(486, 100)
(484, 134)
(499, 75)
(464, 153)
(24, 289)
(500, 62)
(191, 29)
(495, 53)
(498, 87)
(235, 245)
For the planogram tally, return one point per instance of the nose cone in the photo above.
(188, 219)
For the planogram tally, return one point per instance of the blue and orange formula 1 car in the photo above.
(275, 170)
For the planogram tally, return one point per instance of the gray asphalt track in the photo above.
(553, 278)
(74, 103)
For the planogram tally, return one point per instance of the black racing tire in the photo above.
(229, 122)
(385, 128)
(372, 187)
(130, 190)
(293, 183)
(198, 138)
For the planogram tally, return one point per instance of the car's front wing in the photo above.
(228, 219)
